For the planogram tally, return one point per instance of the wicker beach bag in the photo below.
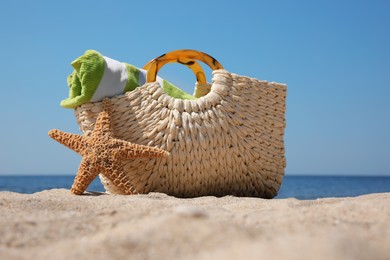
(228, 142)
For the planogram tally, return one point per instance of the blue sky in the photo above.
(333, 55)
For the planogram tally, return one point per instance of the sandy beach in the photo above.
(54, 224)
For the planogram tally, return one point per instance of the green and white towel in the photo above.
(96, 77)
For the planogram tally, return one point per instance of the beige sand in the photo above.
(57, 225)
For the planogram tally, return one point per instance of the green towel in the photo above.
(96, 77)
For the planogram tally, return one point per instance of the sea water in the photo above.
(300, 187)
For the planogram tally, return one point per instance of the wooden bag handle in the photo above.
(191, 64)
(186, 57)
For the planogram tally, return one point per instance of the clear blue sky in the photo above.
(333, 55)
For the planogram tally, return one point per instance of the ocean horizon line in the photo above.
(286, 175)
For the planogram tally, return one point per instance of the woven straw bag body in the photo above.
(228, 142)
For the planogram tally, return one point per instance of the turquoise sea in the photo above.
(300, 187)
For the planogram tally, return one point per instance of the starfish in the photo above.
(102, 153)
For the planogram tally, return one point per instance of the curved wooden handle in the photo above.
(190, 63)
(186, 57)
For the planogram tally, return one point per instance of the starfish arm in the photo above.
(128, 150)
(85, 175)
(103, 123)
(72, 141)
(116, 175)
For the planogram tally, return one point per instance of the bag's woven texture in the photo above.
(229, 142)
